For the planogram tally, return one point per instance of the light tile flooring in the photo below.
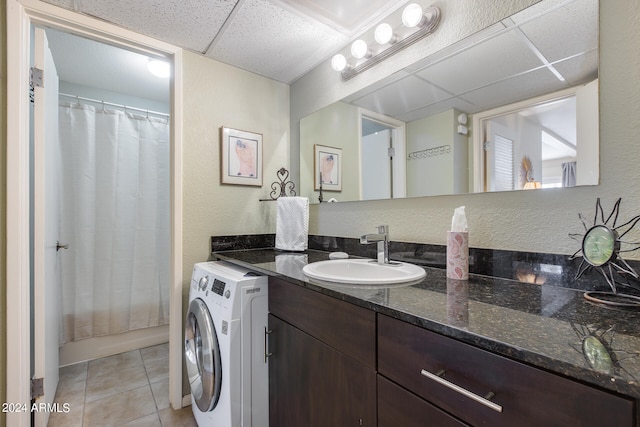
(129, 389)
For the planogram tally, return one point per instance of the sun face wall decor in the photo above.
(601, 245)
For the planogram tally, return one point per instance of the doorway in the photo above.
(21, 266)
(382, 157)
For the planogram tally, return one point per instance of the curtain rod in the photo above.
(125, 107)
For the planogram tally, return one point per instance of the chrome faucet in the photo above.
(382, 238)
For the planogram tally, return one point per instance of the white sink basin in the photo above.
(363, 272)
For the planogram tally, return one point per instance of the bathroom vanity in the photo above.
(481, 352)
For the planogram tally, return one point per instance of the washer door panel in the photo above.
(202, 355)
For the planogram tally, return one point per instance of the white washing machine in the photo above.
(225, 339)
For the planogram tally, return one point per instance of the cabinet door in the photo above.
(398, 407)
(346, 327)
(312, 384)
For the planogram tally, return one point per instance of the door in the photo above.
(45, 306)
(499, 162)
(376, 165)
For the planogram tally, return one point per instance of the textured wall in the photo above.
(216, 95)
(528, 221)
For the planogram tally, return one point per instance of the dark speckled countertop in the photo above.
(541, 325)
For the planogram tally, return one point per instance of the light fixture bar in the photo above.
(429, 27)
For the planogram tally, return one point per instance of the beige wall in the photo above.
(527, 221)
(216, 95)
(343, 133)
(3, 202)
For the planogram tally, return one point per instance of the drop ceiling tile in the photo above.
(191, 24)
(436, 108)
(403, 95)
(580, 69)
(493, 60)
(274, 42)
(515, 89)
(565, 31)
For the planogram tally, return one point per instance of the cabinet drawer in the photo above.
(346, 327)
(398, 407)
(526, 396)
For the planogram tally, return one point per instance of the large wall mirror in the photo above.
(513, 107)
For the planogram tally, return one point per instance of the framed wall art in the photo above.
(241, 157)
(327, 167)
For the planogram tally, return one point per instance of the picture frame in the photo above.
(327, 164)
(240, 157)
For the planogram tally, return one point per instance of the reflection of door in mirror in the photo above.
(499, 157)
(554, 132)
(376, 164)
(382, 157)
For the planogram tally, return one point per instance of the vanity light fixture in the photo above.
(420, 24)
(338, 62)
(384, 34)
(159, 68)
(359, 49)
(412, 15)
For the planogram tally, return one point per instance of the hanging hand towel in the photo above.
(292, 223)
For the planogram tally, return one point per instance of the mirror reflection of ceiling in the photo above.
(535, 51)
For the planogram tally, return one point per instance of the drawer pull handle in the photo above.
(485, 401)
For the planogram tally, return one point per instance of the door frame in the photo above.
(479, 135)
(21, 15)
(398, 135)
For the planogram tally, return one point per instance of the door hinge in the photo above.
(391, 152)
(37, 388)
(36, 78)
(486, 145)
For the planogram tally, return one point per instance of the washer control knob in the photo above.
(204, 281)
(227, 294)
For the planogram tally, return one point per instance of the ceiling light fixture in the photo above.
(158, 68)
(390, 41)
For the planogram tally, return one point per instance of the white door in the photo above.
(376, 165)
(499, 162)
(45, 226)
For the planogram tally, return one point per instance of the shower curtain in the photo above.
(115, 219)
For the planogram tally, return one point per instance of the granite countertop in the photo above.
(541, 325)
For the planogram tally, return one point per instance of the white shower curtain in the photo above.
(115, 218)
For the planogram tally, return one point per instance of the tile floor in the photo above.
(129, 389)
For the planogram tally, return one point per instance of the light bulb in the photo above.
(338, 62)
(159, 68)
(383, 33)
(412, 15)
(359, 49)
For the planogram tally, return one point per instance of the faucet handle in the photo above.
(383, 229)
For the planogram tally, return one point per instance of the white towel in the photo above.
(292, 223)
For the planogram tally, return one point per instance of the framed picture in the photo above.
(241, 157)
(327, 167)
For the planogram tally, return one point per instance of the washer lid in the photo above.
(202, 355)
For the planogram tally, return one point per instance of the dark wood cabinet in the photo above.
(474, 379)
(318, 346)
(334, 363)
(399, 407)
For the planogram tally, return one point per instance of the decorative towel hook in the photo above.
(279, 188)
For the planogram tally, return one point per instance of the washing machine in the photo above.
(225, 346)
